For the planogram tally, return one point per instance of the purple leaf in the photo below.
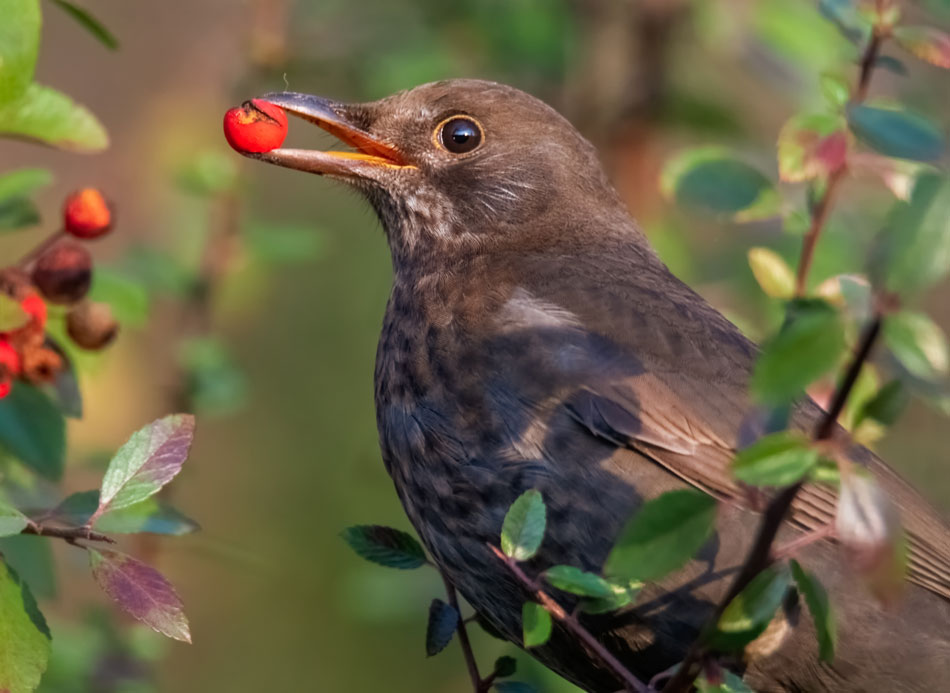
(149, 460)
(142, 591)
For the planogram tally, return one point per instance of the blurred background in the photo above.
(279, 361)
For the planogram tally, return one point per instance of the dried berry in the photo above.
(257, 126)
(41, 364)
(63, 273)
(91, 325)
(87, 214)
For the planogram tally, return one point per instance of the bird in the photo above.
(533, 339)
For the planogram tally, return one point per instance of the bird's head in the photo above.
(457, 165)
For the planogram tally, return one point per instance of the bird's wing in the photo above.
(670, 378)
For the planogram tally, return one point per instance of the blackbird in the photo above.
(533, 339)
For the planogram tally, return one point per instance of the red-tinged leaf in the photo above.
(141, 591)
(927, 43)
(811, 146)
(898, 175)
(149, 460)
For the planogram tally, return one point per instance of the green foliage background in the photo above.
(276, 600)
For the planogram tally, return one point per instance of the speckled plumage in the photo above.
(534, 340)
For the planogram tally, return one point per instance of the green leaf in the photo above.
(505, 666)
(927, 43)
(12, 521)
(216, 386)
(918, 343)
(912, 252)
(89, 23)
(146, 462)
(666, 532)
(820, 607)
(711, 180)
(772, 273)
(23, 182)
(32, 558)
(624, 593)
(33, 430)
(64, 390)
(748, 615)
(835, 89)
(887, 404)
(12, 316)
(19, 44)
(18, 213)
(536, 624)
(898, 133)
(846, 17)
(523, 528)
(149, 516)
(47, 116)
(443, 622)
(386, 546)
(778, 459)
(24, 636)
(808, 346)
(811, 146)
(576, 581)
(141, 591)
(127, 297)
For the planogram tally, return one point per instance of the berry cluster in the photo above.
(59, 272)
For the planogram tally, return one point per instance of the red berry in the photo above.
(34, 306)
(64, 272)
(87, 214)
(257, 126)
(9, 359)
(5, 387)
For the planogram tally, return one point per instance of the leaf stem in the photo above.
(630, 682)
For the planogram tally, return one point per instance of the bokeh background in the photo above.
(286, 453)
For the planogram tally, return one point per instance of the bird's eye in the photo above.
(459, 135)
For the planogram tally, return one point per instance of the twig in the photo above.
(69, 534)
(760, 556)
(820, 213)
(480, 685)
(631, 682)
(41, 248)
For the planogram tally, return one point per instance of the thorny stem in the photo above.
(631, 682)
(477, 682)
(820, 213)
(760, 555)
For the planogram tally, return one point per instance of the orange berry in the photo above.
(87, 214)
(257, 126)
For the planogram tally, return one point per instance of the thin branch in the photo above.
(820, 213)
(761, 556)
(631, 682)
(480, 685)
(69, 534)
(41, 248)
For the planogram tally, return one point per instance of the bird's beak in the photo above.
(371, 155)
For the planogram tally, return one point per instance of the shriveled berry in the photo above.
(91, 325)
(9, 359)
(87, 214)
(64, 272)
(257, 126)
(41, 364)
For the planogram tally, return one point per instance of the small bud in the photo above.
(87, 214)
(63, 273)
(257, 126)
(91, 325)
(41, 365)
